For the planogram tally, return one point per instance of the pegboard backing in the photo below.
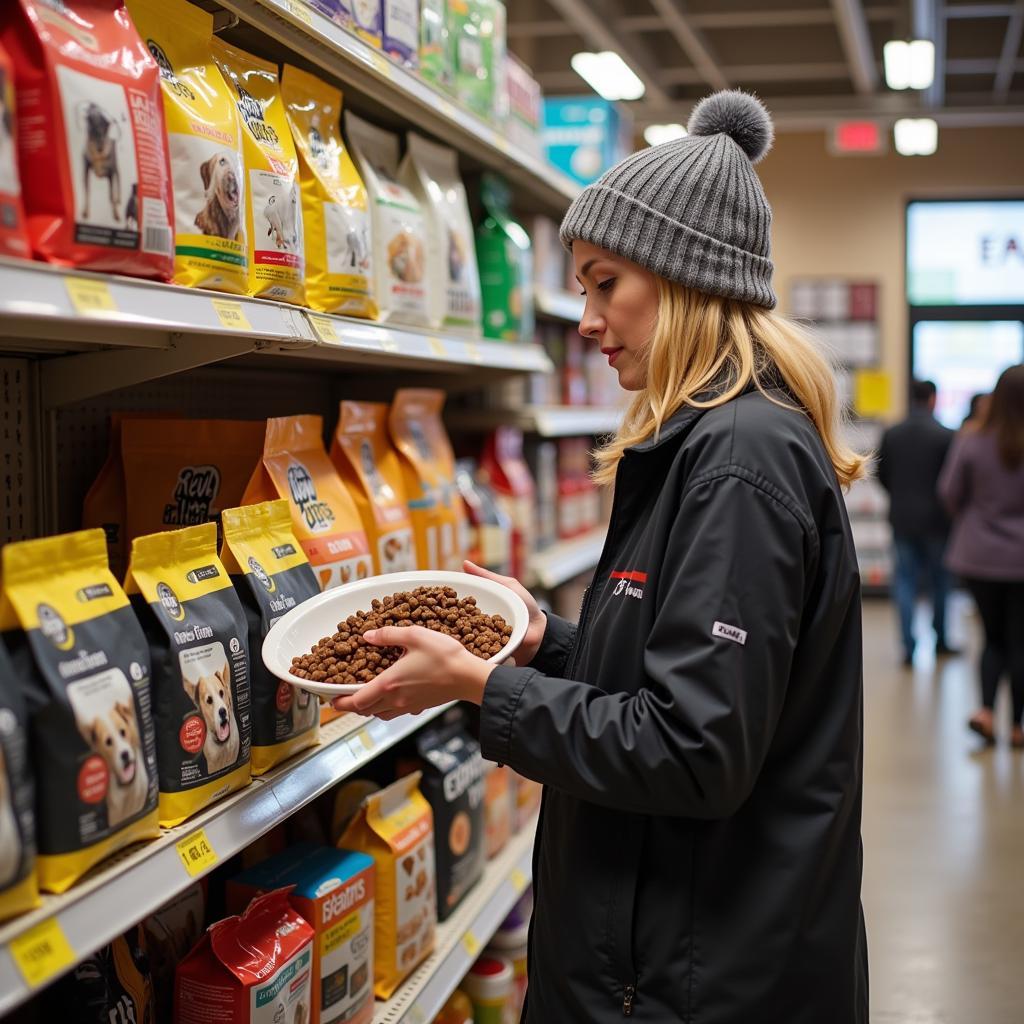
(19, 451)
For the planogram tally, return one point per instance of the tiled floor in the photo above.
(943, 838)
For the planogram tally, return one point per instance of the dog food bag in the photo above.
(199, 646)
(498, 810)
(273, 208)
(18, 890)
(401, 35)
(432, 173)
(399, 228)
(526, 796)
(473, 26)
(205, 142)
(436, 44)
(368, 21)
(271, 575)
(84, 666)
(368, 466)
(324, 517)
(92, 151)
(396, 828)
(333, 891)
(171, 932)
(336, 218)
(13, 234)
(253, 969)
(428, 469)
(505, 470)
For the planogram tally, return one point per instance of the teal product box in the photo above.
(585, 135)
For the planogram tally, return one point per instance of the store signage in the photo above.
(858, 137)
(965, 253)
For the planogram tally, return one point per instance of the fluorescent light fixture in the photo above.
(916, 136)
(909, 65)
(656, 134)
(608, 75)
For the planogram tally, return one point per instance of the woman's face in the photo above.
(621, 310)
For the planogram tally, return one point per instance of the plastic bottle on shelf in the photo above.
(489, 985)
(510, 942)
(458, 1010)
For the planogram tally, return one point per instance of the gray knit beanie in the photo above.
(691, 210)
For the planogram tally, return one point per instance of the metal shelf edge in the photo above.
(567, 559)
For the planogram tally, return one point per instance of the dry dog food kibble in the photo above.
(346, 658)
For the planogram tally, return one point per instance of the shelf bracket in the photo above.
(74, 378)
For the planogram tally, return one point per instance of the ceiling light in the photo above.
(909, 65)
(916, 136)
(656, 134)
(608, 75)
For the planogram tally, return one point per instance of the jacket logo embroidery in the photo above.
(624, 584)
(727, 632)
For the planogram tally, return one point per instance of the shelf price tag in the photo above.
(519, 881)
(417, 1015)
(324, 327)
(196, 853)
(300, 11)
(380, 63)
(388, 343)
(42, 952)
(361, 743)
(231, 315)
(474, 353)
(437, 347)
(89, 297)
(471, 944)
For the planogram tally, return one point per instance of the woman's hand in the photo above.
(538, 621)
(435, 669)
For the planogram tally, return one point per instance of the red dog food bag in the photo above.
(13, 239)
(92, 149)
(253, 969)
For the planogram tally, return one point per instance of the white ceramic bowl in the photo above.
(295, 633)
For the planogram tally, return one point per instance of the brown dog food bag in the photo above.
(199, 646)
(369, 468)
(324, 517)
(92, 146)
(83, 663)
(13, 234)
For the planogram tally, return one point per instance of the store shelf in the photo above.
(543, 420)
(558, 305)
(131, 886)
(567, 559)
(292, 28)
(462, 938)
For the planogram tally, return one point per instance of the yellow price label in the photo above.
(42, 952)
(324, 327)
(437, 347)
(90, 297)
(231, 315)
(519, 881)
(471, 944)
(388, 343)
(502, 143)
(380, 63)
(366, 739)
(196, 853)
(300, 11)
(474, 353)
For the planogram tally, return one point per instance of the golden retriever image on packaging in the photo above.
(212, 698)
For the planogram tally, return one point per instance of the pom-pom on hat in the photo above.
(691, 210)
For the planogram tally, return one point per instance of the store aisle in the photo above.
(944, 842)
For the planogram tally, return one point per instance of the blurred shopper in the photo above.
(982, 484)
(909, 462)
(976, 411)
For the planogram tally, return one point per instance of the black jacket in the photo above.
(910, 460)
(699, 736)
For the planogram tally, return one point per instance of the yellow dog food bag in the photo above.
(295, 466)
(273, 209)
(272, 576)
(205, 144)
(335, 214)
(83, 663)
(396, 828)
(199, 647)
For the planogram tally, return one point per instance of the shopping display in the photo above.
(13, 232)
(503, 467)
(400, 35)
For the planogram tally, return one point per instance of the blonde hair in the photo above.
(702, 341)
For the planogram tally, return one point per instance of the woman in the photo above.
(982, 485)
(699, 733)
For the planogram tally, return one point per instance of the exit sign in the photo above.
(857, 137)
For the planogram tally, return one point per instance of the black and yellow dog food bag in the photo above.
(272, 576)
(84, 666)
(197, 639)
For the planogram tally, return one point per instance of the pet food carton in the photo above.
(13, 234)
(396, 828)
(18, 890)
(370, 471)
(171, 931)
(92, 151)
(252, 969)
(400, 38)
(324, 517)
(368, 21)
(523, 108)
(399, 230)
(432, 173)
(478, 28)
(272, 576)
(506, 266)
(199, 648)
(504, 469)
(273, 208)
(436, 45)
(205, 143)
(339, 11)
(84, 667)
(334, 892)
(336, 218)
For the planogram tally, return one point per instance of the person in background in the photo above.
(976, 412)
(982, 485)
(909, 462)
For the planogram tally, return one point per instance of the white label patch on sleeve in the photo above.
(727, 632)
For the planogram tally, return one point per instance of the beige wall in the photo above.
(844, 216)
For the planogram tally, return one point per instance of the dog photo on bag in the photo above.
(206, 677)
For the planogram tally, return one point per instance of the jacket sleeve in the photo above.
(690, 738)
(559, 637)
(953, 480)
